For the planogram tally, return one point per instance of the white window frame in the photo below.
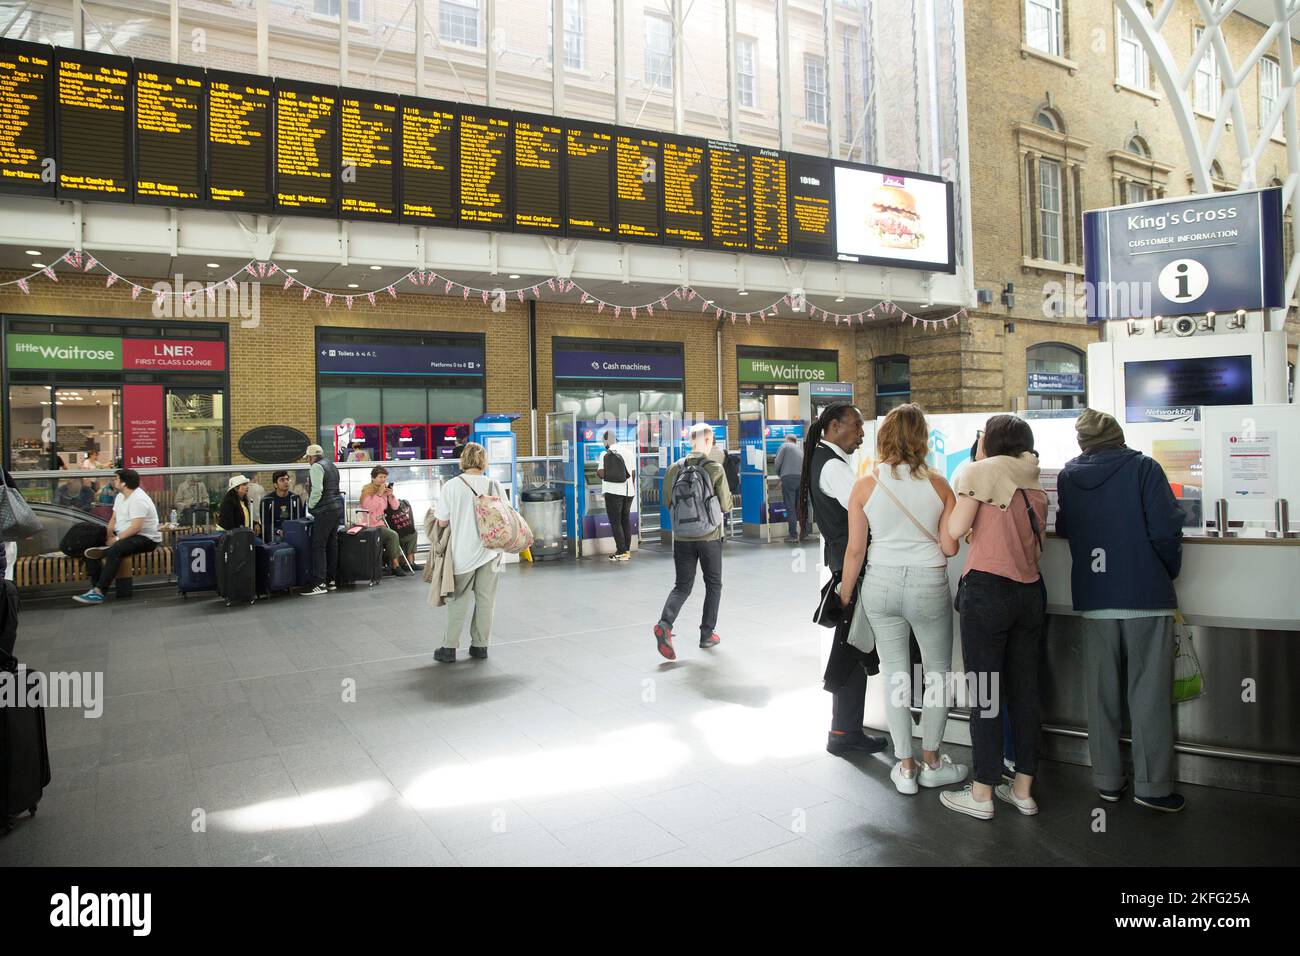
(1269, 70)
(847, 43)
(1050, 210)
(448, 31)
(575, 34)
(658, 62)
(814, 98)
(747, 79)
(1207, 73)
(321, 8)
(1135, 192)
(1052, 9)
(1126, 38)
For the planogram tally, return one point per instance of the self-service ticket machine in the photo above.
(762, 507)
(673, 448)
(493, 432)
(597, 535)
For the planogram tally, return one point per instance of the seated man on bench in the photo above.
(132, 529)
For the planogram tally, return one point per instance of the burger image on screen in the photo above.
(893, 219)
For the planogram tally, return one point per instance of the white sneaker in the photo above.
(946, 773)
(1027, 806)
(903, 783)
(963, 801)
(318, 589)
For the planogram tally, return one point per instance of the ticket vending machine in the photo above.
(446, 437)
(597, 535)
(493, 432)
(774, 436)
(674, 448)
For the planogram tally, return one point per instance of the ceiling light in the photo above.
(214, 265)
(514, 275)
(352, 285)
(292, 272)
(33, 252)
(375, 268)
(742, 292)
(39, 265)
(839, 298)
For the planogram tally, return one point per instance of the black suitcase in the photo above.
(276, 568)
(24, 751)
(237, 567)
(361, 557)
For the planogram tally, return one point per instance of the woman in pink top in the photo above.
(1003, 608)
(376, 498)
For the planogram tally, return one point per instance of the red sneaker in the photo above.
(711, 641)
(664, 635)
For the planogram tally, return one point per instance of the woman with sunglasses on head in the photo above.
(1003, 608)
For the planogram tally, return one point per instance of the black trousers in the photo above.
(685, 556)
(324, 546)
(849, 703)
(102, 571)
(1001, 632)
(619, 508)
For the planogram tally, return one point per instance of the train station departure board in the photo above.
(368, 131)
(96, 126)
(539, 174)
(638, 185)
(93, 94)
(306, 134)
(811, 208)
(429, 161)
(686, 191)
(485, 169)
(769, 220)
(239, 142)
(729, 211)
(588, 180)
(26, 134)
(169, 137)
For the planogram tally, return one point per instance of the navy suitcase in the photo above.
(276, 567)
(237, 566)
(194, 558)
(296, 532)
(361, 557)
(24, 750)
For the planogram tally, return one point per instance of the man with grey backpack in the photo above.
(698, 496)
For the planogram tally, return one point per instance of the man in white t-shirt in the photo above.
(132, 529)
(615, 473)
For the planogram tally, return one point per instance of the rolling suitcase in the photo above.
(361, 556)
(276, 568)
(194, 559)
(237, 566)
(296, 532)
(24, 751)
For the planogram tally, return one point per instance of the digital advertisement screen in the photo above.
(368, 129)
(26, 135)
(239, 142)
(94, 126)
(305, 132)
(429, 161)
(885, 217)
(485, 169)
(1170, 390)
(169, 137)
(539, 174)
(588, 176)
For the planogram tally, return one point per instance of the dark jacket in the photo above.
(232, 515)
(1116, 505)
(276, 510)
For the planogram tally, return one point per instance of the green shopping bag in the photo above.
(1189, 681)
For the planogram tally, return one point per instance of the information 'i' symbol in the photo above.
(1181, 272)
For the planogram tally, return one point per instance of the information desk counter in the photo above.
(1240, 598)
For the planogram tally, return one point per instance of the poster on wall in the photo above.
(1250, 465)
(142, 426)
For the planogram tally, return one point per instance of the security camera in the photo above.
(1184, 325)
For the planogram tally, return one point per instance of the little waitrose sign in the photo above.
(104, 352)
(782, 370)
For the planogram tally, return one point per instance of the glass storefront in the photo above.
(86, 393)
(395, 396)
(597, 378)
(768, 378)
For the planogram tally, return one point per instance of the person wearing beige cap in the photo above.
(1125, 531)
(326, 506)
(235, 511)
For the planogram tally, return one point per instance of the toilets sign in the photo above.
(1188, 256)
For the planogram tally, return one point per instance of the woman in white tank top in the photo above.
(902, 509)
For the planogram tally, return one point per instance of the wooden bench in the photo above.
(41, 571)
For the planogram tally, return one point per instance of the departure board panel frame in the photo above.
(525, 180)
(503, 176)
(671, 225)
(328, 103)
(643, 141)
(765, 157)
(95, 140)
(577, 175)
(815, 168)
(18, 175)
(150, 147)
(445, 112)
(235, 156)
(369, 186)
(731, 158)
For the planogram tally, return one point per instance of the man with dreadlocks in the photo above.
(828, 479)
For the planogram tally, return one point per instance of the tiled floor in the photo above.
(320, 731)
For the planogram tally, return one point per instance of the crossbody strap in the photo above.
(1033, 521)
(902, 507)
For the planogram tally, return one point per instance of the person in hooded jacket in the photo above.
(1125, 531)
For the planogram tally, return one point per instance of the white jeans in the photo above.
(899, 602)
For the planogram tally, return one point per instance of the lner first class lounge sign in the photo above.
(1214, 253)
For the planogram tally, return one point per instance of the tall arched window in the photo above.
(1055, 376)
(893, 375)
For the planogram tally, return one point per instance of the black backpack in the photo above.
(82, 535)
(615, 467)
